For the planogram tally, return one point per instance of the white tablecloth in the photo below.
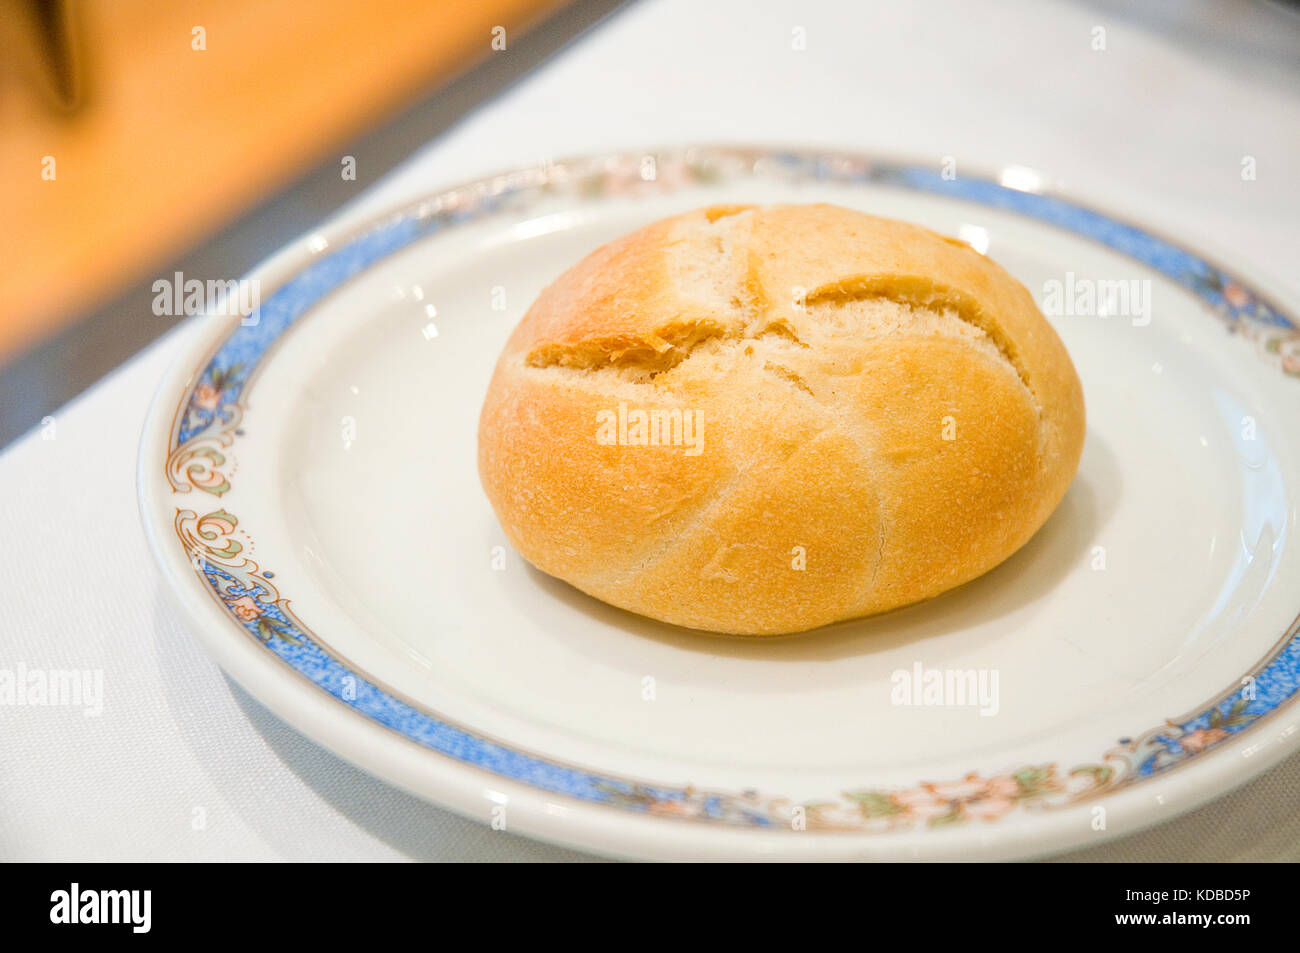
(182, 765)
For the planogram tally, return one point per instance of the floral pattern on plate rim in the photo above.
(208, 422)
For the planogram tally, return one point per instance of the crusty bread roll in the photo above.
(762, 420)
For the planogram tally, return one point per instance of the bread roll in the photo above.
(759, 420)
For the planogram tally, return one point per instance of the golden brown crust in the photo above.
(882, 413)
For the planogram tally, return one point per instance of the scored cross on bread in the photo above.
(879, 414)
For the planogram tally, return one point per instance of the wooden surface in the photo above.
(156, 143)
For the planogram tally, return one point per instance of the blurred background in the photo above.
(139, 139)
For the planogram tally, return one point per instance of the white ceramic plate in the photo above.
(308, 482)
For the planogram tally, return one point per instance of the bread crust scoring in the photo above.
(881, 414)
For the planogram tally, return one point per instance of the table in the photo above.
(182, 765)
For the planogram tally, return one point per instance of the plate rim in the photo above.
(471, 790)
